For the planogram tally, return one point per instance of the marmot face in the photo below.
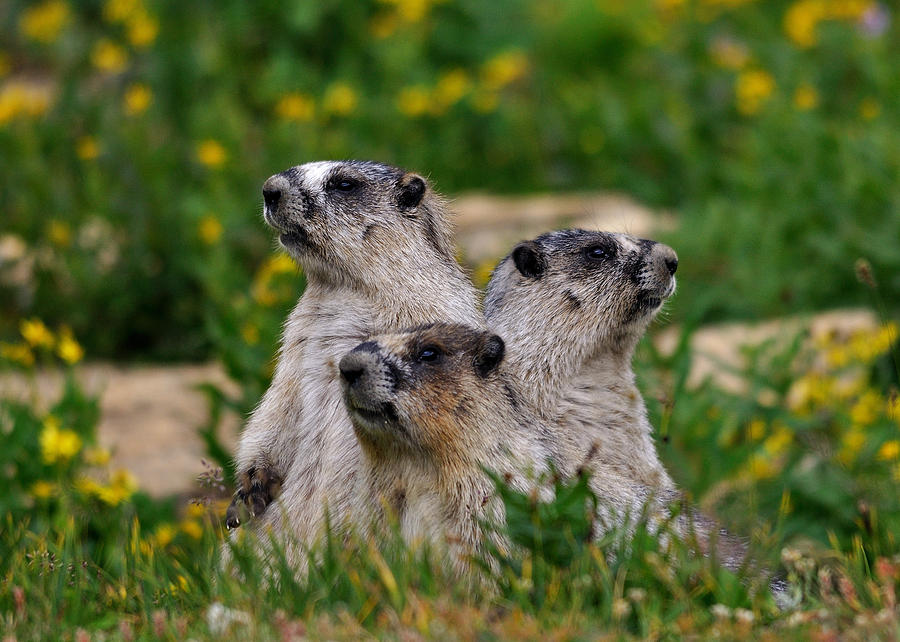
(417, 390)
(333, 215)
(615, 283)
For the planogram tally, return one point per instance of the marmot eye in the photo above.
(596, 253)
(343, 184)
(429, 354)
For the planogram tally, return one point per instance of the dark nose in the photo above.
(271, 196)
(672, 264)
(350, 372)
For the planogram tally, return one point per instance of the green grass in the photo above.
(809, 471)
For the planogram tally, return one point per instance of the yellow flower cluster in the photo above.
(262, 290)
(340, 99)
(122, 485)
(802, 17)
(410, 11)
(141, 27)
(210, 229)
(137, 98)
(109, 57)
(862, 347)
(296, 107)
(419, 100)
(752, 89)
(21, 98)
(38, 335)
(211, 153)
(17, 353)
(58, 444)
(806, 97)
(45, 21)
(503, 69)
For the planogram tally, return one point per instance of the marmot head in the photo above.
(426, 390)
(593, 287)
(332, 216)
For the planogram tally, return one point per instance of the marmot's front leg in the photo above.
(257, 488)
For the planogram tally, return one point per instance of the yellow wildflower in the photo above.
(43, 22)
(761, 467)
(164, 535)
(137, 98)
(108, 56)
(452, 86)
(752, 88)
(59, 233)
(503, 69)
(196, 509)
(756, 429)
(58, 444)
(36, 333)
(192, 528)
(209, 229)
(250, 333)
(779, 440)
(97, 456)
(68, 348)
(279, 264)
(87, 148)
(801, 19)
(296, 106)
(43, 489)
(17, 353)
(869, 109)
(482, 273)
(413, 101)
(889, 450)
(23, 98)
(851, 443)
(142, 29)
(340, 99)
(411, 10)
(120, 10)
(122, 485)
(806, 97)
(865, 411)
(211, 153)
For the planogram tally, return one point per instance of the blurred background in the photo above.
(760, 139)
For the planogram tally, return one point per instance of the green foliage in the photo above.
(80, 549)
(134, 138)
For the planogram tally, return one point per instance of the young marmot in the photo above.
(572, 306)
(432, 407)
(374, 242)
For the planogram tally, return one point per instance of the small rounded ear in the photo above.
(489, 356)
(529, 259)
(412, 189)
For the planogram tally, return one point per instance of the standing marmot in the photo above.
(431, 407)
(572, 306)
(375, 244)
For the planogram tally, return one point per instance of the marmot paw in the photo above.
(258, 487)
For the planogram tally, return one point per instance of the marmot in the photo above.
(375, 244)
(432, 407)
(572, 306)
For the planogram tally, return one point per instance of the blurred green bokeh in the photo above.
(135, 135)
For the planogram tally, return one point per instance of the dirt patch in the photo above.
(149, 417)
